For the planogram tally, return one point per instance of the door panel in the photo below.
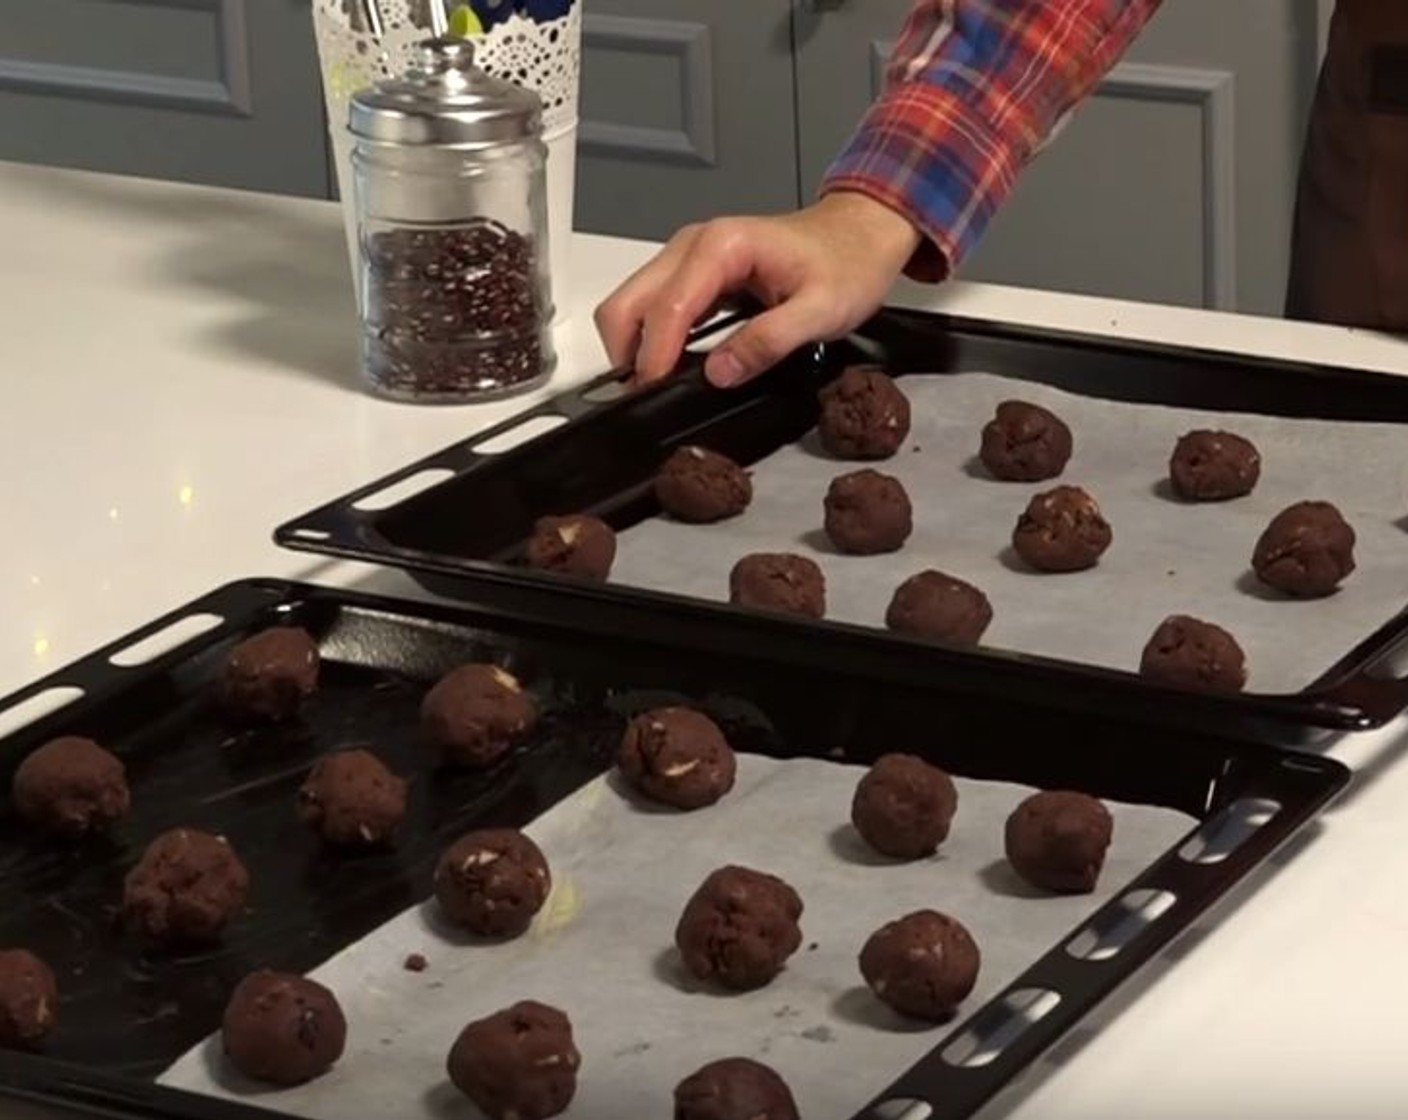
(1175, 183)
(685, 114)
(210, 91)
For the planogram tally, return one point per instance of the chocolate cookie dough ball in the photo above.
(186, 888)
(734, 1089)
(867, 513)
(518, 1064)
(475, 715)
(903, 807)
(1306, 551)
(1190, 653)
(1209, 466)
(1025, 443)
(1056, 840)
(282, 1029)
(780, 582)
(267, 677)
(923, 965)
(71, 787)
(492, 882)
(575, 546)
(739, 928)
(678, 757)
(699, 486)
(29, 1000)
(352, 800)
(1062, 530)
(938, 606)
(864, 415)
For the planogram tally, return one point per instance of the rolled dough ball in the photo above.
(517, 1064)
(1307, 551)
(734, 1089)
(864, 415)
(780, 582)
(475, 715)
(739, 928)
(903, 807)
(678, 757)
(1025, 443)
(29, 1000)
(1057, 840)
(935, 605)
(282, 1029)
(1209, 466)
(1062, 530)
(1191, 653)
(867, 513)
(71, 787)
(492, 882)
(576, 545)
(186, 888)
(699, 486)
(352, 800)
(923, 965)
(267, 677)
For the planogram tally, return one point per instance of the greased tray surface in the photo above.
(604, 461)
(126, 1014)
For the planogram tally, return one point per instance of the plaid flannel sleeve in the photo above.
(975, 87)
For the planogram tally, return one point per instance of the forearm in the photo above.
(973, 91)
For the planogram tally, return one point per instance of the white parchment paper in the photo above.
(1167, 557)
(602, 950)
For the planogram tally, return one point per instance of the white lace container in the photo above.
(538, 48)
(532, 43)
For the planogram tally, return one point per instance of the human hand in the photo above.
(821, 271)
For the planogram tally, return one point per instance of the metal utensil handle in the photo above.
(371, 12)
(439, 18)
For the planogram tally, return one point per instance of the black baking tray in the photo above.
(126, 1014)
(466, 532)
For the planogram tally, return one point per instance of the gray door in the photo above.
(208, 91)
(686, 113)
(1175, 183)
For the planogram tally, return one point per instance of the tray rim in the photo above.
(1264, 771)
(1347, 696)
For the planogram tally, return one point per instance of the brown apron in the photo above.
(1349, 249)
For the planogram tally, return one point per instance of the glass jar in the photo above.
(453, 285)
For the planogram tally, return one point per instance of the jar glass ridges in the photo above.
(454, 287)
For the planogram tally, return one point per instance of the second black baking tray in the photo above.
(126, 1013)
(468, 529)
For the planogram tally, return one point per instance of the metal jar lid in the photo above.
(446, 100)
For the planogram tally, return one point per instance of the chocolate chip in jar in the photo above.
(454, 312)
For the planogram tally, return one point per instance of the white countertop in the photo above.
(180, 376)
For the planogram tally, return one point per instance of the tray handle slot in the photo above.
(1104, 937)
(606, 390)
(898, 1108)
(34, 708)
(516, 435)
(1219, 837)
(399, 491)
(994, 1030)
(165, 640)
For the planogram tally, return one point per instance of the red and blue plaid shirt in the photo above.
(974, 89)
